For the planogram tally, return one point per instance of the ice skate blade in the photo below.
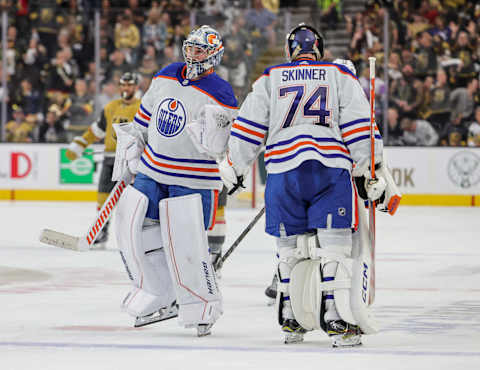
(204, 329)
(351, 341)
(152, 319)
(292, 338)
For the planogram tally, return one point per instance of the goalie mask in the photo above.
(202, 50)
(303, 39)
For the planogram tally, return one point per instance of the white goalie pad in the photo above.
(210, 132)
(305, 295)
(350, 286)
(186, 247)
(143, 255)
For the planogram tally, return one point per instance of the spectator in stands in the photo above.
(261, 22)
(454, 133)
(437, 110)
(395, 132)
(329, 13)
(234, 66)
(19, 130)
(462, 101)
(61, 73)
(406, 93)
(463, 50)
(52, 130)
(138, 14)
(47, 23)
(155, 31)
(127, 37)
(426, 59)
(81, 108)
(474, 130)
(417, 132)
(117, 65)
(34, 58)
(30, 99)
(109, 93)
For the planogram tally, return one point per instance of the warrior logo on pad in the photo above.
(170, 117)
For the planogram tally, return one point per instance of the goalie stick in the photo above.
(371, 204)
(83, 243)
(218, 265)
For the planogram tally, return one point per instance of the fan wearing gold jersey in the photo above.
(117, 111)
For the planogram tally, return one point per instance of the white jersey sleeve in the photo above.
(250, 127)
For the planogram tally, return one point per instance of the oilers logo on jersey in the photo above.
(171, 117)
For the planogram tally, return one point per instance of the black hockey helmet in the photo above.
(303, 39)
(129, 78)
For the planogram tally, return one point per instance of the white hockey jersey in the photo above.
(304, 110)
(168, 106)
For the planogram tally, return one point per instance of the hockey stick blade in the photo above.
(235, 244)
(61, 240)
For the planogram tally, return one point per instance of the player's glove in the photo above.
(231, 180)
(76, 148)
(372, 189)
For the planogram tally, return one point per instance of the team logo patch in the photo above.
(342, 211)
(171, 117)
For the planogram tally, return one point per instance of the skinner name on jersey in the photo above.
(303, 74)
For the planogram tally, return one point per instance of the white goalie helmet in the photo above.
(202, 50)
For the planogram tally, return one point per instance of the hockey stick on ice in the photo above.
(83, 243)
(371, 204)
(219, 263)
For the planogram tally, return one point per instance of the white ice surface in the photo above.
(61, 309)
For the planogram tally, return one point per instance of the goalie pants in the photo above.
(309, 197)
(155, 192)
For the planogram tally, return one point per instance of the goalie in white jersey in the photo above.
(162, 218)
(313, 117)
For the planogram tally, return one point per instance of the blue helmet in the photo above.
(303, 39)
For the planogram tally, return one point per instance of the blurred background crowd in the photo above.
(58, 78)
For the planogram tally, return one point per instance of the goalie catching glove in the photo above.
(232, 181)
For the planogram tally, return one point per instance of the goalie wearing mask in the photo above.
(172, 145)
(313, 117)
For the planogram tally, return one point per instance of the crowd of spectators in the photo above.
(51, 70)
(433, 68)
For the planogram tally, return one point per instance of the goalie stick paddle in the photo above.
(219, 263)
(371, 204)
(83, 243)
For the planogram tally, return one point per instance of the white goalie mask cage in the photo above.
(202, 50)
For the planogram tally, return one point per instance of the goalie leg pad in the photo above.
(194, 279)
(143, 255)
(345, 266)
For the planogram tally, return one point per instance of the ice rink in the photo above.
(61, 309)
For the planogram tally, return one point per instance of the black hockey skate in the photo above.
(271, 290)
(344, 334)
(293, 331)
(162, 314)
